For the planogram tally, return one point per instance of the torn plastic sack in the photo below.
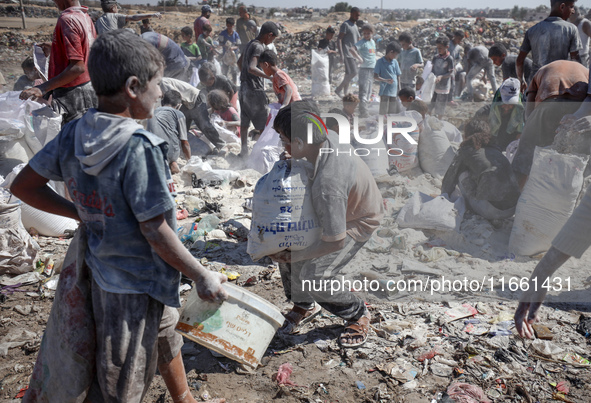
(425, 212)
(282, 213)
(320, 83)
(267, 149)
(435, 151)
(547, 200)
(46, 224)
(204, 171)
(402, 153)
(18, 250)
(227, 135)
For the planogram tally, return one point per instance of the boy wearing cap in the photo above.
(505, 114)
(112, 20)
(253, 101)
(202, 20)
(69, 82)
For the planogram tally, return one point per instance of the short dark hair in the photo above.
(555, 2)
(268, 56)
(367, 27)
(217, 99)
(146, 21)
(330, 122)
(230, 21)
(350, 98)
(117, 55)
(394, 46)
(355, 10)
(442, 40)
(172, 98)
(205, 73)
(407, 92)
(330, 30)
(476, 133)
(207, 28)
(292, 121)
(28, 63)
(420, 80)
(459, 33)
(107, 7)
(497, 50)
(187, 31)
(419, 106)
(405, 37)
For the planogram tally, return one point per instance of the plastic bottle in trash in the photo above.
(207, 224)
(193, 204)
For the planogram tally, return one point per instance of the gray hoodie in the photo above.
(99, 138)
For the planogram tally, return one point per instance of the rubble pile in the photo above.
(30, 12)
(481, 32)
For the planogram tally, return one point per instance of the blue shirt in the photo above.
(131, 189)
(225, 37)
(367, 51)
(174, 57)
(388, 70)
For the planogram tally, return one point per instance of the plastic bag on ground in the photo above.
(283, 216)
(203, 170)
(227, 135)
(425, 212)
(435, 151)
(267, 149)
(18, 250)
(320, 82)
(547, 200)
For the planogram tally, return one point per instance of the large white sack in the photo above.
(225, 134)
(320, 82)
(282, 213)
(435, 151)
(425, 212)
(547, 200)
(454, 135)
(428, 87)
(18, 250)
(267, 149)
(46, 224)
(409, 158)
(375, 156)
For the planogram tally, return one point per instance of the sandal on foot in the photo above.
(354, 330)
(297, 317)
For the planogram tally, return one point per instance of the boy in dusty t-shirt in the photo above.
(125, 304)
(283, 85)
(349, 207)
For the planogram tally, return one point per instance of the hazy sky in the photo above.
(432, 4)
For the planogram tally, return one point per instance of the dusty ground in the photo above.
(505, 367)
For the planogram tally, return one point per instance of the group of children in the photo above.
(396, 72)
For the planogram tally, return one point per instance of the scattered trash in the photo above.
(359, 385)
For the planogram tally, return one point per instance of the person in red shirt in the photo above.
(69, 82)
(283, 85)
(201, 21)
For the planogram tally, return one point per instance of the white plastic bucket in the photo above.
(240, 328)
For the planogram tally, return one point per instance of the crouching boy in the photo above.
(117, 176)
(348, 205)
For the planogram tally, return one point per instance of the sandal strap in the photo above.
(302, 311)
